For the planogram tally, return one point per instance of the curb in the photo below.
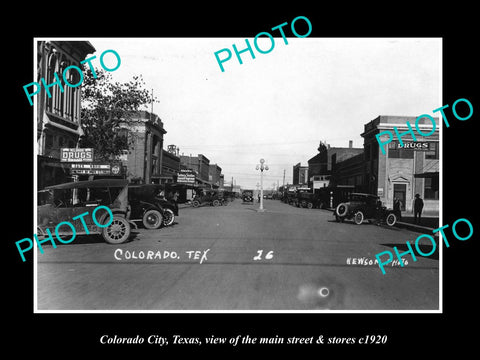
(416, 228)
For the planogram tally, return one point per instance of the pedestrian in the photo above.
(417, 209)
(175, 201)
(397, 208)
(258, 197)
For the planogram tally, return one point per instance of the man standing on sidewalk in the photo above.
(417, 208)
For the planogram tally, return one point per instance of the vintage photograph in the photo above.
(261, 174)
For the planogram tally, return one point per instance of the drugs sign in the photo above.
(76, 155)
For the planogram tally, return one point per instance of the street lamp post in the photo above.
(261, 167)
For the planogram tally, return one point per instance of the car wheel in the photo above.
(195, 203)
(152, 219)
(341, 210)
(358, 218)
(216, 203)
(391, 219)
(117, 232)
(309, 205)
(168, 217)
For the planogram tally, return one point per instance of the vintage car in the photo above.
(362, 207)
(62, 202)
(148, 206)
(247, 196)
(207, 197)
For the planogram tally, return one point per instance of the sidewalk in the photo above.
(426, 226)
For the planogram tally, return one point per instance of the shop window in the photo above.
(394, 152)
(432, 153)
(431, 188)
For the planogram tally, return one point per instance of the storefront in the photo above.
(406, 169)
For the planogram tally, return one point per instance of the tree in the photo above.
(107, 108)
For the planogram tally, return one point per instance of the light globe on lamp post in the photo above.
(261, 167)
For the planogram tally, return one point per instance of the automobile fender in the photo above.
(117, 212)
(165, 205)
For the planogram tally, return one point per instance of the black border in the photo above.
(408, 334)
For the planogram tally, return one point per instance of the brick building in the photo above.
(145, 155)
(215, 175)
(320, 166)
(350, 171)
(200, 164)
(300, 174)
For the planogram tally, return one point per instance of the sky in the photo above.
(280, 105)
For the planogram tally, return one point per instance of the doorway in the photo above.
(400, 192)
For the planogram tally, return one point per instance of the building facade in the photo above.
(200, 164)
(404, 170)
(170, 167)
(320, 166)
(350, 171)
(300, 174)
(215, 175)
(145, 154)
(58, 115)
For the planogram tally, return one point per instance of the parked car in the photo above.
(323, 198)
(362, 207)
(247, 196)
(305, 199)
(63, 202)
(207, 197)
(146, 203)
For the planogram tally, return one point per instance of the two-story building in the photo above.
(58, 116)
(320, 166)
(144, 158)
(404, 170)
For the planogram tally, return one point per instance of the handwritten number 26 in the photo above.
(268, 256)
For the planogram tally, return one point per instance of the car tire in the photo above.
(358, 218)
(310, 205)
(168, 217)
(391, 219)
(118, 231)
(195, 203)
(216, 203)
(341, 210)
(152, 219)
